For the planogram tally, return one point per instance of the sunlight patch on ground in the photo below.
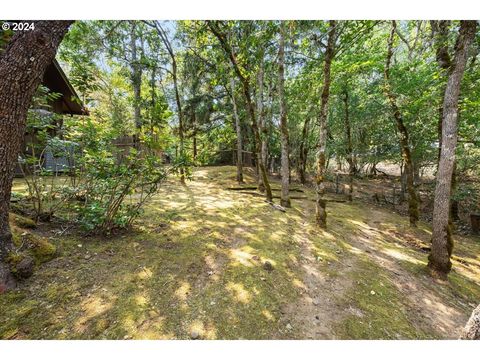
(357, 223)
(355, 250)
(469, 271)
(299, 284)
(145, 273)
(241, 257)
(148, 331)
(239, 292)
(443, 314)
(152, 328)
(278, 236)
(268, 315)
(141, 300)
(213, 203)
(399, 255)
(182, 293)
(327, 235)
(92, 307)
(322, 255)
(129, 324)
(204, 331)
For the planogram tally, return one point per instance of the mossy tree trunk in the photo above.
(303, 152)
(194, 136)
(284, 197)
(136, 78)
(238, 130)
(321, 212)
(402, 133)
(22, 66)
(442, 242)
(250, 105)
(348, 138)
(262, 121)
(440, 31)
(181, 132)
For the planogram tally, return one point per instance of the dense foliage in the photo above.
(167, 86)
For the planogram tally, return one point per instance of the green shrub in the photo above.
(113, 191)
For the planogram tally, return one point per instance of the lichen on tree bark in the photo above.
(442, 243)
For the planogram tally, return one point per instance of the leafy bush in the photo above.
(47, 191)
(75, 166)
(113, 192)
(184, 163)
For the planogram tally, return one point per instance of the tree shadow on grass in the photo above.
(195, 266)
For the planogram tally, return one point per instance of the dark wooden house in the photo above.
(56, 80)
(68, 103)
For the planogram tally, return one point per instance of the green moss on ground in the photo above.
(35, 245)
(378, 309)
(195, 262)
(22, 221)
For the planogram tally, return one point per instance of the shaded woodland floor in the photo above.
(195, 266)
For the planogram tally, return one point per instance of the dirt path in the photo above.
(428, 309)
(322, 305)
(319, 308)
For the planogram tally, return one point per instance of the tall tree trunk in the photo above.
(453, 203)
(267, 121)
(303, 152)
(180, 118)
(403, 183)
(284, 198)
(403, 134)
(440, 35)
(238, 129)
(194, 135)
(194, 145)
(442, 242)
(22, 66)
(136, 78)
(250, 106)
(350, 156)
(153, 100)
(261, 121)
(321, 212)
(163, 36)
